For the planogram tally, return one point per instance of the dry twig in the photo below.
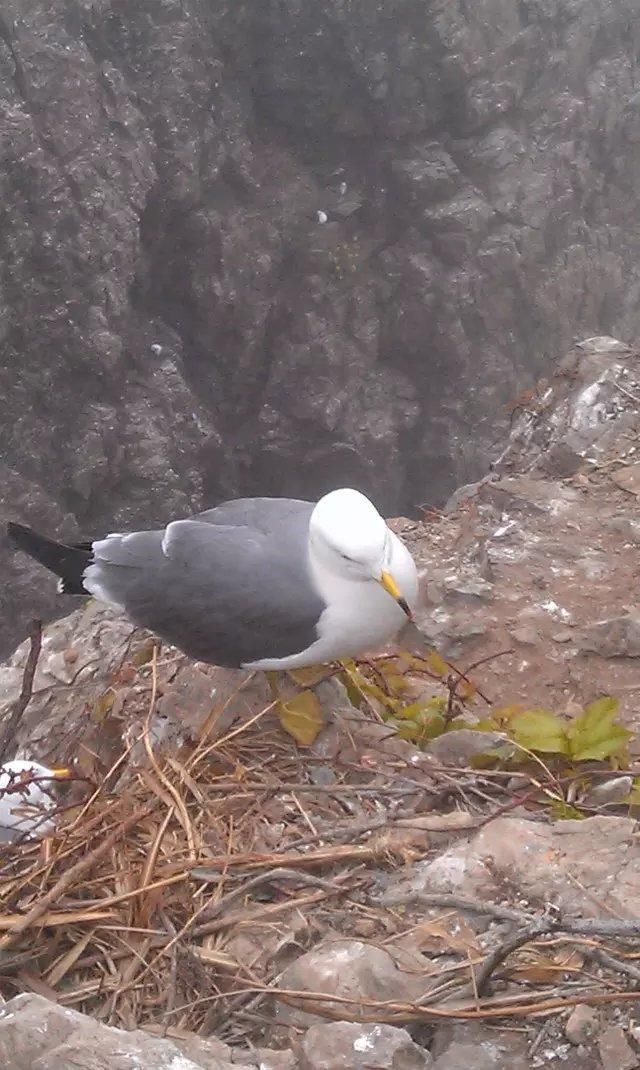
(26, 691)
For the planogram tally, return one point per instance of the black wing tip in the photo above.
(66, 562)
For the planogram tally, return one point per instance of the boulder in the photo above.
(36, 1034)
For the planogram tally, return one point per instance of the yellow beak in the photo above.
(391, 587)
(62, 773)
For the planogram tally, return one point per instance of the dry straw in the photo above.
(108, 916)
(132, 910)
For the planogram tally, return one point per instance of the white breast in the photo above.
(360, 615)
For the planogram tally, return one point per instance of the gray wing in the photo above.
(260, 514)
(224, 593)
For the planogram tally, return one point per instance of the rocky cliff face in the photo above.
(530, 577)
(268, 247)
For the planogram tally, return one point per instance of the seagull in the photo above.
(255, 583)
(27, 794)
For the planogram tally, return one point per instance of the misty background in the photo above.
(272, 247)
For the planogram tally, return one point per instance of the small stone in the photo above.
(464, 744)
(461, 496)
(364, 927)
(608, 792)
(464, 627)
(488, 1056)
(467, 587)
(322, 775)
(564, 635)
(617, 637)
(554, 610)
(602, 343)
(625, 526)
(615, 1051)
(581, 1024)
(349, 1046)
(270, 1059)
(628, 479)
(525, 634)
(561, 461)
(517, 783)
(478, 1046)
(350, 968)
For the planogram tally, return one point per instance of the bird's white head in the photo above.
(348, 537)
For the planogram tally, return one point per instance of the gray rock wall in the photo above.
(162, 167)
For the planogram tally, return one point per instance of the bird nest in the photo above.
(178, 887)
(130, 911)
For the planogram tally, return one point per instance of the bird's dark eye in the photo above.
(345, 557)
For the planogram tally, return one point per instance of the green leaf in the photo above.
(308, 676)
(485, 724)
(594, 734)
(354, 694)
(539, 730)
(459, 722)
(607, 706)
(359, 687)
(408, 730)
(396, 682)
(301, 717)
(394, 673)
(431, 726)
(410, 712)
(564, 811)
(436, 664)
(422, 729)
(504, 714)
(418, 710)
